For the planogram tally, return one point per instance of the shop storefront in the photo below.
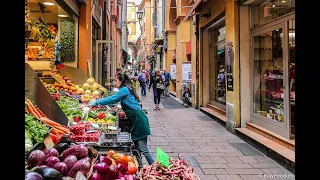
(272, 66)
(51, 33)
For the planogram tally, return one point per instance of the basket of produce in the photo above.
(178, 169)
(115, 165)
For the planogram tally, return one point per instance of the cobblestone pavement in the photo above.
(208, 143)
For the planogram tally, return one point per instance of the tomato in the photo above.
(130, 159)
(132, 168)
(111, 153)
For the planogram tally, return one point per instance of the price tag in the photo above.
(162, 157)
(48, 142)
(112, 128)
(95, 125)
(80, 176)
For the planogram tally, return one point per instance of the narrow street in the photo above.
(207, 145)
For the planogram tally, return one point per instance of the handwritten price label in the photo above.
(162, 157)
(48, 142)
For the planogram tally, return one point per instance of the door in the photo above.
(105, 62)
(269, 61)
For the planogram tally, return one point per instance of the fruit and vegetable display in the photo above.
(102, 116)
(63, 160)
(70, 107)
(114, 166)
(35, 131)
(82, 132)
(178, 169)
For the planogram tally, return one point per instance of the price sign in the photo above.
(48, 142)
(162, 157)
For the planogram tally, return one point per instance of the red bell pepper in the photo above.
(101, 115)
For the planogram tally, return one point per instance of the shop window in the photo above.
(268, 10)
(268, 92)
(292, 74)
(217, 71)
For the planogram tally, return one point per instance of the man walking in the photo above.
(142, 81)
(167, 77)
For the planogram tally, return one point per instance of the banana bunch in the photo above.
(35, 33)
(27, 15)
(50, 43)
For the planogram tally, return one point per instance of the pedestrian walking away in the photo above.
(157, 83)
(142, 81)
(167, 77)
(138, 121)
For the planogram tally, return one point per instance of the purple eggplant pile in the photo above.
(54, 164)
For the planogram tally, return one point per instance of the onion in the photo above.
(33, 176)
(95, 176)
(101, 167)
(122, 168)
(70, 161)
(36, 158)
(51, 152)
(105, 159)
(61, 167)
(51, 161)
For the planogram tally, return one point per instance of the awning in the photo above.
(158, 41)
(195, 5)
(188, 47)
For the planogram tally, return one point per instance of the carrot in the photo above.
(65, 130)
(57, 131)
(50, 122)
(30, 110)
(41, 113)
(34, 108)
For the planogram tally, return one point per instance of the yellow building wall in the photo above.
(169, 59)
(183, 35)
(131, 16)
(231, 22)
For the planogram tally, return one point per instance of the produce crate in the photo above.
(111, 137)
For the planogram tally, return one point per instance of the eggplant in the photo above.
(48, 173)
(33, 176)
(61, 147)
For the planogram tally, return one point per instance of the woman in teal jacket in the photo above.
(138, 120)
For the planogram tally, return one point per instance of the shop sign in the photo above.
(97, 12)
(229, 63)
(173, 71)
(186, 72)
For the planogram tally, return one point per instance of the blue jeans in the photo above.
(143, 89)
(142, 145)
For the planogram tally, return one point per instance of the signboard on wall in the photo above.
(186, 72)
(229, 63)
(173, 71)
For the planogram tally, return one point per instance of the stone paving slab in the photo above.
(181, 131)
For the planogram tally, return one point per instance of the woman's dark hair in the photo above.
(126, 82)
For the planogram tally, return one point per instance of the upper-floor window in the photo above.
(268, 10)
